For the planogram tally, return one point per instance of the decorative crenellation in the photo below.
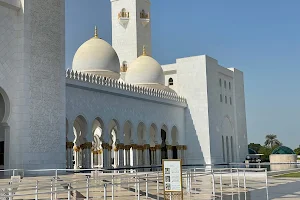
(108, 82)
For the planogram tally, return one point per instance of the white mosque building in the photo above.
(117, 106)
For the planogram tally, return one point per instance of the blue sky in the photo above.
(261, 38)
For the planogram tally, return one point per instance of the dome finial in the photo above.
(96, 32)
(144, 51)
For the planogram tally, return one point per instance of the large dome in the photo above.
(97, 57)
(283, 150)
(145, 71)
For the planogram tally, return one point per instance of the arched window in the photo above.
(220, 82)
(171, 82)
(221, 98)
(230, 100)
(225, 84)
(225, 99)
(229, 86)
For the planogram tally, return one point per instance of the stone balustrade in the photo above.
(113, 83)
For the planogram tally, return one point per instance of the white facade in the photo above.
(50, 117)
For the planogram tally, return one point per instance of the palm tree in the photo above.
(271, 141)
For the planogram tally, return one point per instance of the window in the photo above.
(225, 99)
(230, 101)
(171, 82)
(225, 84)
(220, 82)
(229, 85)
(221, 98)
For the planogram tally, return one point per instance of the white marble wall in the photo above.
(32, 75)
(208, 119)
(92, 100)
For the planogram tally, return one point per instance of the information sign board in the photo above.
(172, 175)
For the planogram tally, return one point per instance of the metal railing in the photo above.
(197, 181)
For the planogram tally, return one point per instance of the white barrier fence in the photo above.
(103, 185)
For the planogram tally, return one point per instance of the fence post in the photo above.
(87, 188)
(51, 190)
(138, 188)
(238, 178)
(10, 191)
(231, 181)
(147, 186)
(245, 187)
(56, 174)
(69, 191)
(267, 187)
(157, 186)
(104, 191)
(36, 190)
(112, 187)
(221, 184)
(213, 182)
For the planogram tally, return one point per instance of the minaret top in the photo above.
(96, 32)
(144, 51)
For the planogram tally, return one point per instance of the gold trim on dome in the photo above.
(158, 146)
(100, 151)
(134, 146)
(184, 147)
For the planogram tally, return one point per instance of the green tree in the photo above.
(297, 150)
(266, 151)
(254, 146)
(272, 141)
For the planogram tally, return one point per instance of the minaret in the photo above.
(131, 28)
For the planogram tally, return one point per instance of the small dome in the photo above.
(145, 71)
(97, 57)
(283, 150)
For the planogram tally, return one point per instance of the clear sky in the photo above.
(261, 38)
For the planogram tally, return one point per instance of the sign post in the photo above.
(172, 179)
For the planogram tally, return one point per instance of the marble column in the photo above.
(88, 150)
(69, 146)
(158, 154)
(76, 156)
(133, 155)
(184, 148)
(116, 156)
(82, 156)
(178, 147)
(146, 155)
(100, 158)
(105, 155)
(153, 155)
(109, 156)
(169, 151)
(121, 155)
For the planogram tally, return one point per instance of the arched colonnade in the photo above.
(113, 145)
